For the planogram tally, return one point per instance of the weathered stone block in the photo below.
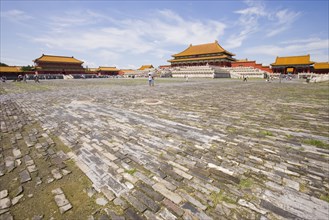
(25, 176)
(3, 193)
(61, 200)
(167, 193)
(131, 214)
(5, 203)
(150, 203)
(173, 207)
(150, 192)
(65, 208)
(134, 202)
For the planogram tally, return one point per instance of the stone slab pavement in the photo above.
(205, 149)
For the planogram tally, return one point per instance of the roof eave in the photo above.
(289, 64)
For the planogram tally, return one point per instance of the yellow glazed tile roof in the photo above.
(293, 60)
(103, 68)
(244, 60)
(10, 69)
(146, 67)
(200, 58)
(57, 59)
(127, 70)
(322, 65)
(209, 48)
(92, 69)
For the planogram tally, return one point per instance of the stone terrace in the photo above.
(204, 149)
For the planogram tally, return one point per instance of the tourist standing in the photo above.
(3, 79)
(24, 78)
(151, 79)
(36, 78)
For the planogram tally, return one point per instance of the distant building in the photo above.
(293, 64)
(109, 71)
(164, 66)
(249, 63)
(48, 64)
(145, 67)
(203, 54)
(129, 72)
(321, 67)
(10, 72)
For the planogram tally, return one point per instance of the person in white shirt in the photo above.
(151, 79)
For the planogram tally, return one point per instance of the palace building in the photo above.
(108, 71)
(293, 64)
(203, 54)
(10, 72)
(321, 67)
(251, 63)
(48, 64)
(146, 67)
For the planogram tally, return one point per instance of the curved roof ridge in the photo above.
(293, 60)
(55, 58)
(108, 66)
(306, 55)
(207, 48)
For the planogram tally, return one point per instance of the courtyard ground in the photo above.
(203, 149)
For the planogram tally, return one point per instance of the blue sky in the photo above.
(128, 34)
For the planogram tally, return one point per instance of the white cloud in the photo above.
(130, 39)
(252, 20)
(16, 15)
(74, 19)
(15, 61)
(252, 11)
(284, 19)
(313, 46)
(299, 47)
(286, 16)
(248, 23)
(301, 41)
(152, 34)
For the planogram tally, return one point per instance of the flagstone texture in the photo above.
(203, 149)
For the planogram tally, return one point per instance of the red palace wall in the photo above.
(59, 68)
(252, 64)
(200, 63)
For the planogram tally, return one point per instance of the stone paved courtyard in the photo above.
(203, 149)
